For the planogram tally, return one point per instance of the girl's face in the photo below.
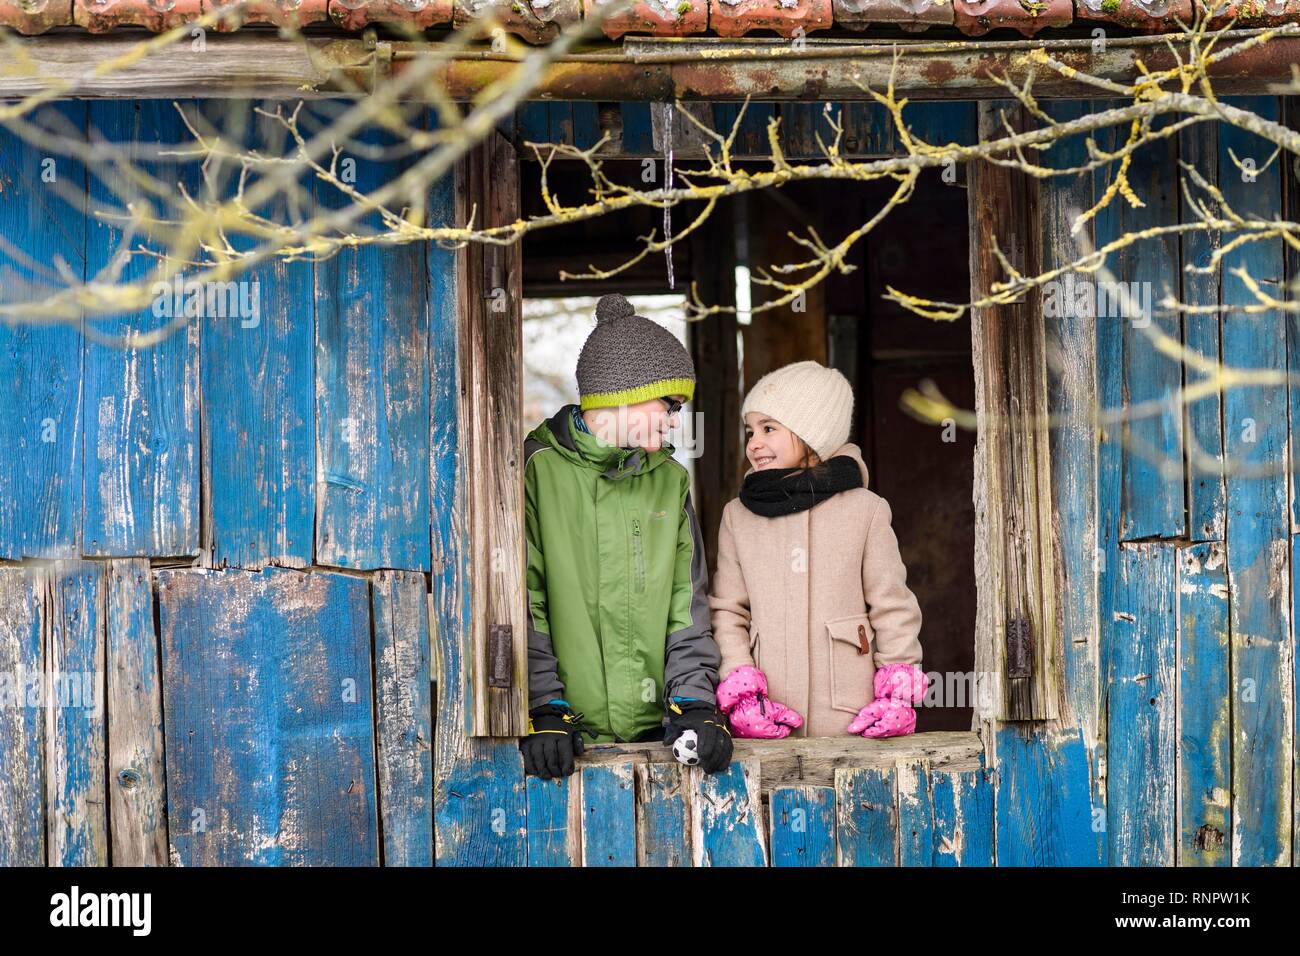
(769, 444)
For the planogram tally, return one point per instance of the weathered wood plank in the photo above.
(866, 811)
(1072, 396)
(404, 731)
(269, 723)
(812, 761)
(480, 801)
(1110, 479)
(802, 826)
(1015, 573)
(1046, 814)
(944, 121)
(259, 409)
(1206, 505)
(555, 821)
(492, 325)
(75, 758)
(1141, 746)
(1295, 673)
(1153, 496)
(963, 818)
(916, 838)
(43, 213)
(136, 779)
(1204, 708)
(726, 812)
(1258, 525)
(141, 404)
(662, 831)
(608, 816)
(751, 138)
(802, 124)
(22, 719)
(372, 396)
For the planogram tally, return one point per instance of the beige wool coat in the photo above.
(817, 600)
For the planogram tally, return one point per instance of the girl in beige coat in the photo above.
(811, 610)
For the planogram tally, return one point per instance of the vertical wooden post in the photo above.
(717, 378)
(1014, 564)
(492, 357)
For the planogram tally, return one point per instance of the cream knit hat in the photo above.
(813, 401)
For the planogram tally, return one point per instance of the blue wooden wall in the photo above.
(241, 553)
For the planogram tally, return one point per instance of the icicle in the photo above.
(668, 115)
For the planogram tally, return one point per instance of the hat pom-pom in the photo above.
(612, 307)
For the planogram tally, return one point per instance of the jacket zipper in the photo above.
(637, 553)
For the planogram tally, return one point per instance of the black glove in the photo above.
(709, 726)
(554, 739)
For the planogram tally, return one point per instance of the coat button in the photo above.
(864, 644)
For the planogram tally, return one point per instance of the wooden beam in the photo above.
(1014, 561)
(717, 377)
(812, 761)
(492, 312)
(248, 63)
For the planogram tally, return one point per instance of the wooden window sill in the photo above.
(812, 761)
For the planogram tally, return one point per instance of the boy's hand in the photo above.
(554, 739)
(709, 726)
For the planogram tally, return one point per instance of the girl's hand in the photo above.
(897, 688)
(884, 718)
(763, 719)
(742, 696)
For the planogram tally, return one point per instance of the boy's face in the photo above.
(642, 425)
(769, 444)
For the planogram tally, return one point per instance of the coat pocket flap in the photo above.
(855, 630)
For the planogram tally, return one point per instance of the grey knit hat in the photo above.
(629, 359)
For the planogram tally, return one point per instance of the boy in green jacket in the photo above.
(618, 624)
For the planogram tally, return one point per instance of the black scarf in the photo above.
(784, 491)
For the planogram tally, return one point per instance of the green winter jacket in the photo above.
(617, 581)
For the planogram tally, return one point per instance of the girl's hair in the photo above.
(806, 459)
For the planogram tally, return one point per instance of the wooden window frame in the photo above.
(1017, 628)
(1017, 631)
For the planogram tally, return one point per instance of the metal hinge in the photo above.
(501, 655)
(1019, 647)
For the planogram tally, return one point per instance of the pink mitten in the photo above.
(884, 718)
(905, 682)
(897, 687)
(742, 696)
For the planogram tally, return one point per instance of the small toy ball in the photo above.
(686, 748)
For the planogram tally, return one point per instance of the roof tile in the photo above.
(733, 18)
(35, 16)
(293, 12)
(537, 21)
(416, 14)
(977, 17)
(910, 14)
(661, 17)
(1149, 15)
(101, 16)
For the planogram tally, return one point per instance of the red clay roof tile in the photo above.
(733, 18)
(909, 14)
(35, 16)
(977, 17)
(676, 18)
(539, 21)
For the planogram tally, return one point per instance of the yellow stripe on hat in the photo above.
(642, 393)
